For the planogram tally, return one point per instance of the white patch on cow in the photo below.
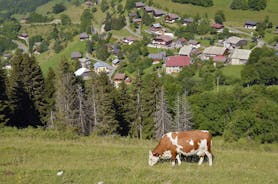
(178, 159)
(152, 159)
(191, 142)
(166, 155)
(205, 131)
(201, 160)
(174, 141)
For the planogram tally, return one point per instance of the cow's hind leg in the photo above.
(201, 160)
(209, 155)
(178, 159)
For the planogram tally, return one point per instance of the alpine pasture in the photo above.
(36, 156)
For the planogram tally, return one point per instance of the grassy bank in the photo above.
(34, 156)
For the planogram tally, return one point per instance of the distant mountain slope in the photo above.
(9, 7)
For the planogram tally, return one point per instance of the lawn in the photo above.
(232, 71)
(35, 156)
(50, 59)
(234, 17)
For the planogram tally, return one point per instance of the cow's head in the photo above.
(153, 159)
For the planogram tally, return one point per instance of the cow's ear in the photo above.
(156, 155)
(150, 153)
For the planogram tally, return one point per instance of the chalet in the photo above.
(171, 18)
(219, 59)
(213, 51)
(185, 50)
(175, 64)
(234, 42)
(139, 5)
(187, 21)
(157, 57)
(132, 15)
(180, 42)
(137, 21)
(128, 40)
(83, 72)
(158, 13)
(162, 40)
(196, 52)
(194, 44)
(119, 78)
(83, 36)
(218, 27)
(156, 28)
(115, 62)
(23, 36)
(36, 47)
(89, 4)
(84, 62)
(240, 56)
(101, 66)
(76, 55)
(250, 25)
(148, 9)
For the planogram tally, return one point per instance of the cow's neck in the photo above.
(159, 150)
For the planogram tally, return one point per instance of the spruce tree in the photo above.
(4, 108)
(50, 96)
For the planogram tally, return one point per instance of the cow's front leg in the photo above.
(173, 158)
(178, 159)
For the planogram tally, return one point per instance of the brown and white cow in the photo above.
(187, 143)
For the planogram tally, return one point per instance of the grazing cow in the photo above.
(187, 143)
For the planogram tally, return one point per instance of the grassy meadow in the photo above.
(35, 156)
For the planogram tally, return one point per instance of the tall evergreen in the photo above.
(107, 123)
(66, 98)
(26, 92)
(50, 95)
(4, 108)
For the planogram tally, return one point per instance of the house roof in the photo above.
(119, 76)
(172, 16)
(148, 8)
(177, 61)
(102, 64)
(156, 25)
(188, 20)
(213, 50)
(116, 61)
(158, 12)
(131, 39)
(241, 54)
(164, 38)
(83, 36)
(251, 23)
(219, 58)
(234, 39)
(185, 50)
(159, 56)
(76, 55)
(217, 26)
(139, 4)
(193, 42)
(132, 14)
(81, 71)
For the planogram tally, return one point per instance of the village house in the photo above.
(187, 21)
(171, 18)
(240, 56)
(162, 40)
(194, 44)
(175, 64)
(36, 47)
(23, 36)
(89, 4)
(115, 62)
(234, 42)
(102, 67)
(139, 5)
(158, 13)
(128, 40)
(119, 78)
(148, 9)
(157, 57)
(84, 62)
(218, 27)
(156, 28)
(76, 55)
(83, 36)
(6, 56)
(83, 72)
(250, 25)
(137, 21)
(219, 59)
(180, 42)
(211, 52)
(185, 50)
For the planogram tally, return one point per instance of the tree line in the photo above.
(248, 4)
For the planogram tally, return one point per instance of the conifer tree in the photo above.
(50, 95)
(4, 108)
(163, 118)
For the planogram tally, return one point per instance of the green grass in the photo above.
(233, 17)
(35, 156)
(232, 71)
(50, 59)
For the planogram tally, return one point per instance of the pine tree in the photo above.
(50, 95)
(162, 116)
(67, 99)
(107, 123)
(4, 108)
(182, 114)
